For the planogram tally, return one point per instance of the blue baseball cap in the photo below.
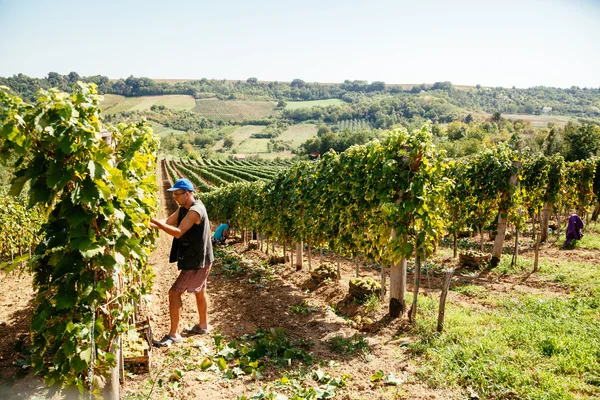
(183, 184)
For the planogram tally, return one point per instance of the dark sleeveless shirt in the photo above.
(193, 250)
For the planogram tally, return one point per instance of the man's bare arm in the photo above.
(171, 220)
(188, 221)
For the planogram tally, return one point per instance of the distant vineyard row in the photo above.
(208, 175)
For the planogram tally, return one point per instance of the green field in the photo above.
(539, 121)
(272, 156)
(298, 134)
(234, 110)
(252, 146)
(240, 135)
(243, 143)
(113, 104)
(293, 105)
(161, 130)
(244, 133)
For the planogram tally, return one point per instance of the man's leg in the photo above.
(175, 307)
(202, 303)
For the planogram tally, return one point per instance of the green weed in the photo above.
(505, 267)
(229, 264)
(302, 308)
(275, 345)
(471, 290)
(356, 344)
(371, 302)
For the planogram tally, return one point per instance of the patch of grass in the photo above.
(592, 228)
(356, 344)
(110, 100)
(161, 130)
(279, 155)
(293, 105)
(471, 291)
(529, 347)
(244, 133)
(590, 242)
(113, 104)
(580, 277)
(298, 134)
(540, 121)
(523, 265)
(251, 146)
(234, 110)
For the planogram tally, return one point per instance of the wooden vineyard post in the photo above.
(112, 386)
(299, 256)
(581, 211)
(309, 257)
(558, 223)
(413, 309)
(480, 239)
(516, 249)
(502, 218)
(356, 267)
(383, 283)
(397, 286)
(545, 221)
(267, 252)
(596, 211)
(455, 245)
(537, 252)
(447, 280)
(339, 274)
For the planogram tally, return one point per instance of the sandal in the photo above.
(167, 341)
(196, 330)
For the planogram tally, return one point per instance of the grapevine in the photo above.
(90, 265)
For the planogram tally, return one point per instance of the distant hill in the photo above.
(575, 102)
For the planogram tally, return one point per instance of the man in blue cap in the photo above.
(192, 249)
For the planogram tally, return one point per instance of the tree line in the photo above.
(575, 101)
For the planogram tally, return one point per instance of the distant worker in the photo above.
(192, 249)
(574, 229)
(221, 234)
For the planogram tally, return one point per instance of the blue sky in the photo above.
(493, 43)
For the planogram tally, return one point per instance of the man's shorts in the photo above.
(191, 281)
